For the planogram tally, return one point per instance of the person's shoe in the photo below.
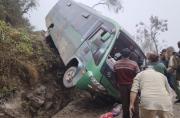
(177, 101)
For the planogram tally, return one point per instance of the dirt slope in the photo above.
(30, 74)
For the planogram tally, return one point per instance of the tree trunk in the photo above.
(153, 38)
(156, 46)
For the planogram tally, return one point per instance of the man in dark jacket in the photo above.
(125, 70)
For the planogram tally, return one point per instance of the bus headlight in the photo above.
(97, 84)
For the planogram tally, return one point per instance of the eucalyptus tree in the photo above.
(114, 4)
(148, 36)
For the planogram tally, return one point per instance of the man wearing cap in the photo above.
(125, 70)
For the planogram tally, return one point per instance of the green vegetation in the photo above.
(24, 58)
(14, 43)
(17, 40)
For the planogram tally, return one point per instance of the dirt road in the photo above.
(177, 110)
(85, 108)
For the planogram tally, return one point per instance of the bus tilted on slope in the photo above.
(85, 39)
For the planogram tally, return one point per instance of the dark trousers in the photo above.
(170, 79)
(174, 84)
(125, 99)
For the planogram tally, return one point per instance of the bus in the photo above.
(85, 40)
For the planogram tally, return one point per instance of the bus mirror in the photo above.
(106, 36)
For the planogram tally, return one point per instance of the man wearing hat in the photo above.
(125, 70)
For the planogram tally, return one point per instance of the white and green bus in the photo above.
(84, 39)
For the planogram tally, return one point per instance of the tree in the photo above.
(148, 35)
(13, 11)
(115, 4)
(27, 5)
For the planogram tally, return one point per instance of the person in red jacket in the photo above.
(125, 71)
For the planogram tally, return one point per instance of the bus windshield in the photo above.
(99, 43)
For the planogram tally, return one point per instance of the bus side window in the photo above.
(96, 41)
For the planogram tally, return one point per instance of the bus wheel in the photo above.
(68, 78)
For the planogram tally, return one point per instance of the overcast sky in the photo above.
(134, 11)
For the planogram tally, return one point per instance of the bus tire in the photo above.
(68, 77)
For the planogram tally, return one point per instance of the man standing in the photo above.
(173, 71)
(178, 64)
(163, 58)
(155, 92)
(178, 46)
(125, 70)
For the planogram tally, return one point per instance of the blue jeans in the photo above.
(173, 84)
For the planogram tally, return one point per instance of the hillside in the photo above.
(29, 75)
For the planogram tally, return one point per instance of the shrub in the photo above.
(16, 39)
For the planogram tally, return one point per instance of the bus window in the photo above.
(99, 45)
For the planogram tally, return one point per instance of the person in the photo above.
(172, 71)
(109, 71)
(178, 63)
(163, 58)
(153, 59)
(125, 70)
(156, 98)
(178, 46)
(133, 56)
(110, 62)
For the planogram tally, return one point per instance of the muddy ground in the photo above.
(85, 108)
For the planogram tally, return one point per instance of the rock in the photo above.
(37, 101)
(41, 90)
(37, 98)
(50, 95)
(29, 96)
(33, 110)
(48, 105)
(2, 114)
